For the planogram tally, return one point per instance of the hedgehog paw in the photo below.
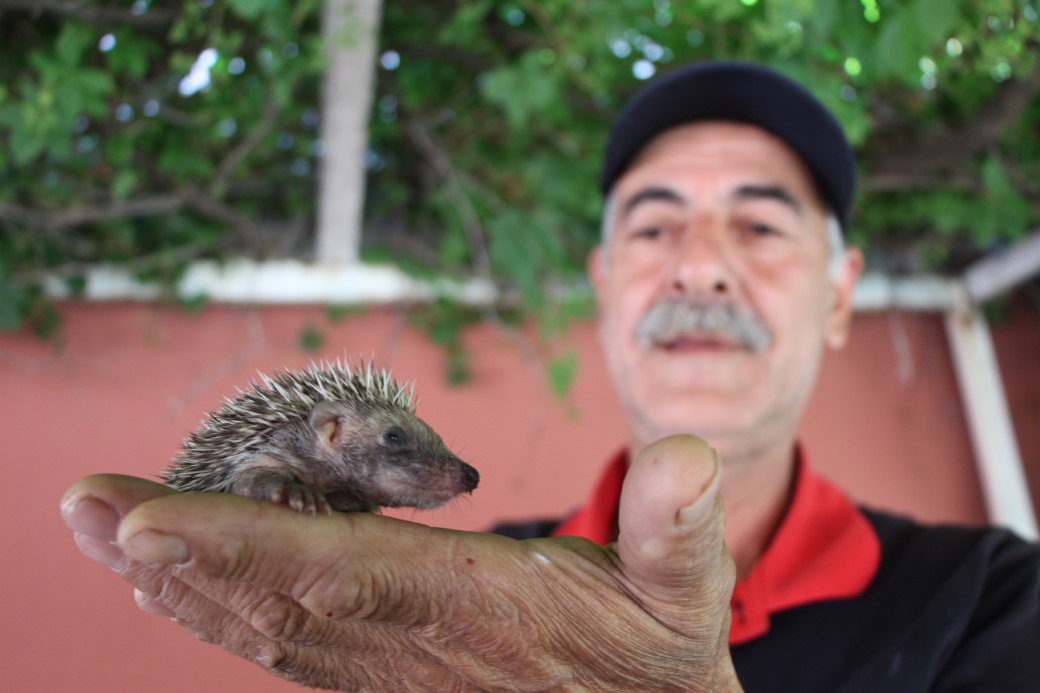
(302, 499)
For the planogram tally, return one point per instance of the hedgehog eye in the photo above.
(393, 437)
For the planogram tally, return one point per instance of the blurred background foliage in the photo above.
(147, 134)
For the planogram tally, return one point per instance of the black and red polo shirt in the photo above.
(849, 599)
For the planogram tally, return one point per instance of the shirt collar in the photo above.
(824, 548)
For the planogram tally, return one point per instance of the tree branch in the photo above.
(441, 163)
(186, 197)
(81, 9)
(208, 205)
(70, 270)
(938, 157)
(66, 218)
(219, 211)
(896, 181)
(244, 148)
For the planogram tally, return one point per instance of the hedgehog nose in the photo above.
(470, 477)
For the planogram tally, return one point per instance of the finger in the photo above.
(339, 567)
(162, 594)
(159, 592)
(152, 606)
(93, 505)
(671, 533)
(277, 634)
(268, 615)
(104, 552)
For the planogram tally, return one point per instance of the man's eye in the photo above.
(648, 233)
(761, 229)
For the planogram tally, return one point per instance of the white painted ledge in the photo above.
(296, 282)
(280, 282)
(928, 293)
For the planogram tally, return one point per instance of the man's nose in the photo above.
(702, 263)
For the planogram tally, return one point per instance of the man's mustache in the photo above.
(672, 318)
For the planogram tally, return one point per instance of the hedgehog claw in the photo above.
(302, 499)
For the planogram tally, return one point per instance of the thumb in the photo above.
(671, 535)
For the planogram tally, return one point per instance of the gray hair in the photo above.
(835, 237)
(835, 244)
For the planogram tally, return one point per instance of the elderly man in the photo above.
(722, 277)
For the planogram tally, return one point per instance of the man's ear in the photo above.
(839, 318)
(327, 422)
(596, 266)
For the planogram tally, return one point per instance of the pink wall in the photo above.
(1017, 342)
(131, 380)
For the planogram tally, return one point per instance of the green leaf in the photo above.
(995, 179)
(124, 183)
(561, 373)
(26, 146)
(1010, 211)
(311, 338)
(823, 19)
(934, 19)
(130, 55)
(522, 91)
(72, 41)
(119, 150)
(466, 25)
(95, 82)
(457, 369)
(249, 10)
(338, 312)
(899, 45)
(77, 286)
(192, 305)
(12, 304)
(42, 316)
(177, 159)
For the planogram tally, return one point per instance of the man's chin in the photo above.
(698, 374)
(703, 415)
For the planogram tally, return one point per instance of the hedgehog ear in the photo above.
(326, 420)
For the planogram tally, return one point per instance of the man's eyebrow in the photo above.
(650, 194)
(769, 192)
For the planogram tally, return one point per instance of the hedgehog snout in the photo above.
(470, 477)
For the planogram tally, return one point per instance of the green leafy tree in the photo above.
(148, 134)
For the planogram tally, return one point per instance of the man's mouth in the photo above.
(698, 343)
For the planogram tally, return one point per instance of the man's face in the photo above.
(709, 215)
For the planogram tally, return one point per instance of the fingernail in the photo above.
(691, 514)
(102, 551)
(90, 516)
(156, 548)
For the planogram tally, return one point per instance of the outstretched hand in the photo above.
(365, 602)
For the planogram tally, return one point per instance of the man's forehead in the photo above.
(682, 199)
(732, 156)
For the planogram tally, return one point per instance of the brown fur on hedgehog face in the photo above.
(387, 457)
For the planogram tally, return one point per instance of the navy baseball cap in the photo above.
(746, 93)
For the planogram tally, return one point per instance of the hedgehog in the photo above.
(332, 437)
